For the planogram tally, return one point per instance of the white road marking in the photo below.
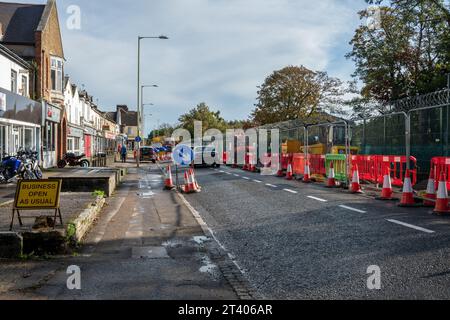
(318, 199)
(410, 226)
(271, 185)
(228, 173)
(291, 191)
(236, 175)
(245, 178)
(257, 181)
(353, 209)
(221, 171)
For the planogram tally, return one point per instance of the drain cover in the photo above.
(149, 253)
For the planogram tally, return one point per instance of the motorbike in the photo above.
(73, 160)
(30, 165)
(10, 168)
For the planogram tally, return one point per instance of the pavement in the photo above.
(146, 245)
(303, 241)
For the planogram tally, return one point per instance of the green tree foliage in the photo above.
(164, 130)
(210, 119)
(297, 93)
(407, 55)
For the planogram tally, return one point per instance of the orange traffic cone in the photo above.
(196, 185)
(387, 192)
(290, 173)
(408, 192)
(442, 197)
(186, 188)
(168, 183)
(191, 183)
(356, 185)
(431, 191)
(331, 183)
(307, 175)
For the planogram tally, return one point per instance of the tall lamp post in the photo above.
(138, 105)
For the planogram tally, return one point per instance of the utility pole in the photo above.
(138, 104)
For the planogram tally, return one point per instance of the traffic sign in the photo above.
(183, 155)
(138, 139)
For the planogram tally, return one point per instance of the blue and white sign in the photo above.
(183, 155)
(138, 139)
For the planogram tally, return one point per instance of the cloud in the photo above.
(218, 52)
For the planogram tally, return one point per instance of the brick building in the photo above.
(32, 31)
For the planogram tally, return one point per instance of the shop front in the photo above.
(75, 140)
(20, 123)
(50, 135)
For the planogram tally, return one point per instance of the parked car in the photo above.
(204, 155)
(148, 154)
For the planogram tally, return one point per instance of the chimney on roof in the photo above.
(122, 106)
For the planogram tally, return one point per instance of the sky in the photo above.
(219, 51)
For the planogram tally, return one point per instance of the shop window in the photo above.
(70, 145)
(76, 144)
(49, 138)
(29, 139)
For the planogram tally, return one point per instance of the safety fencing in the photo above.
(371, 168)
(439, 165)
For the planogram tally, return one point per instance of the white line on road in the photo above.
(257, 181)
(410, 226)
(271, 185)
(291, 191)
(236, 175)
(318, 199)
(245, 178)
(353, 209)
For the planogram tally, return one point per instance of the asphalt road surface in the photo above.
(298, 241)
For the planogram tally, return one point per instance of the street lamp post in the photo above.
(138, 105)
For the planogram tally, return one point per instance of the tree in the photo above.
(240, 124)
(297, 93)
(164, 130)
(209, 119)
(407, 55)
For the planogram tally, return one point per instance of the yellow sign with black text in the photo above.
(37, 194)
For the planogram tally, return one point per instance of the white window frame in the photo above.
(24, 86)
(57, 66)
(14, 81)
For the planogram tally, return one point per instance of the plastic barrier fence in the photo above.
(441, 164)
(397, 165)
(317, 166)
(285, 160)
(339, 164)
(367, 167)
(298, 164)
(372, 168)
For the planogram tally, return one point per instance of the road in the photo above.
(302, 241)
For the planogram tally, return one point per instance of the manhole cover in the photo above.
(149, 253)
